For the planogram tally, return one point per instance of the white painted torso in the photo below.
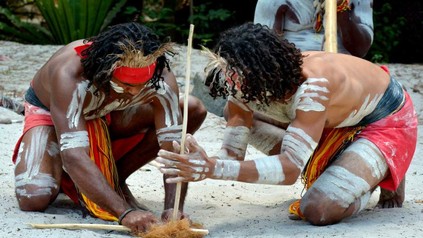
(305, 99)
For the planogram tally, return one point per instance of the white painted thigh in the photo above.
(37, 162)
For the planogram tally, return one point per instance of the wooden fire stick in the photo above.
(331, 33)
(77, 226)
(185, 118)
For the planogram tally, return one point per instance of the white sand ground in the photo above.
(226, 209)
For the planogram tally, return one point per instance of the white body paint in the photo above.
(53, 149)
(307, 93)
(341, 186)
(116, 87)
(361, 202)
(366, 108)
(304, 99)
(235, 140)
(76, 105)
(33, 156)
(264, 138)
(302, 33)
(76, 139)
(370, 154)
(298, 146)
(270, 170)
(226, 169)
(169, 101)
(169, 134)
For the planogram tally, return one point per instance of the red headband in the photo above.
(134, 75)
(126, 74)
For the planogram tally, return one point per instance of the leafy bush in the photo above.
(386, 34)
(69, 20)
(13, 29)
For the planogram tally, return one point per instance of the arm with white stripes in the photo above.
(298, 145)
(281, 169)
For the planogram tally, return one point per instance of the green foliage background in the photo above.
(398, 25)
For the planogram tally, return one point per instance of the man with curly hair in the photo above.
(341, 121)
(95, 113)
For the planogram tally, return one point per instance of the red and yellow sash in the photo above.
(333, 142)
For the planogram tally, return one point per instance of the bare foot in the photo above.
(390, 199)
(129, 197)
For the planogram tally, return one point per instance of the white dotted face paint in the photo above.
(298, 146)
(307, 94)
(226, 169)
(169, 134)
(74, 139)
(235, 140)
(77, 104)
(116, 87)
(371, 155)
(366, 108)
(341, 186)
(270, 170)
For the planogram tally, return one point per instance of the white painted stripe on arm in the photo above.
(270, 170)
(227, 169)
(74, 139)
(298, 146)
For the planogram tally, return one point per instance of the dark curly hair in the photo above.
(268, 65)
(100, 56)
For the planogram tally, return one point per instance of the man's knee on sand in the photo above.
(32, 197)
(320, 209)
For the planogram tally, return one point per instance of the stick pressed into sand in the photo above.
(331, 34)
(77, 226)
(185, 118)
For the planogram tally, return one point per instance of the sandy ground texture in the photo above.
(225, 208)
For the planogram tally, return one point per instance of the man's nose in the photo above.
(133, 90)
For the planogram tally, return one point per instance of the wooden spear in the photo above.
(185, 118)
(330, 44)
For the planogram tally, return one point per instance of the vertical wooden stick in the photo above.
(185, 117)
(331, 33)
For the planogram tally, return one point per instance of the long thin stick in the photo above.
(331, 33)
(78, 226)
(185, 118)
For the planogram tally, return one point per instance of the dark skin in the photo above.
(357, 41)
(354, 38)
(54, 84)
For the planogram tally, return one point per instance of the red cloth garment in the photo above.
(396, 138)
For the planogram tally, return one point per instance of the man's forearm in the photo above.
(170, 194)
(92, 183)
